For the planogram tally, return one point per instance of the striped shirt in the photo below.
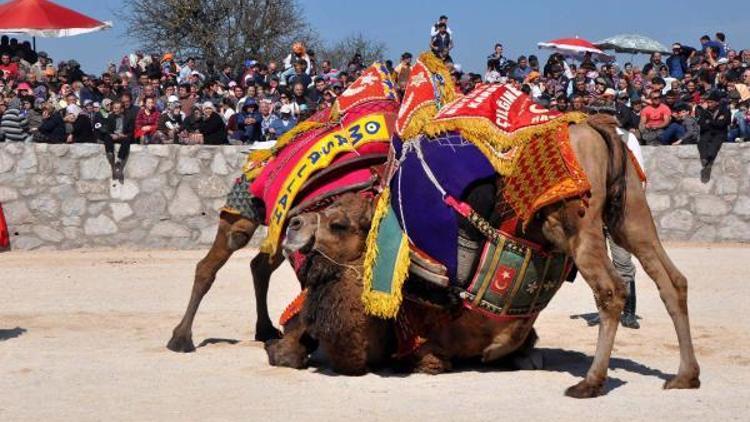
(14, 126)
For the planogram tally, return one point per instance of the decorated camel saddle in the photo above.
(337, 150)
(428, 227)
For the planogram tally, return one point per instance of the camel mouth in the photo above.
(296, 243)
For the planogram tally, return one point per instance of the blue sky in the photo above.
(403, 25)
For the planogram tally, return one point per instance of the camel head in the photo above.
(338, 232)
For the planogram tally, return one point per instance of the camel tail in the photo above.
(617, 166)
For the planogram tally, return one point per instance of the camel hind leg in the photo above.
(233, 233)
(638, 235)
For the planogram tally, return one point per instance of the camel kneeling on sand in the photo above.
(335, 238)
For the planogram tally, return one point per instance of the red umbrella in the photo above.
(575, 47)
(44, 18)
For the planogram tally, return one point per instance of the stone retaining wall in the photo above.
(686, 209)
(62, 196)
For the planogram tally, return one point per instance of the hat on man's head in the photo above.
(87, 102)
(722, 60)
(43, 54)
(285, 109)
(209, 104)
(250, 102)
(609, 92)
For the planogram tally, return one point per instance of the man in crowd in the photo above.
(442, 41)
(714, 118)
(118, 129)
(683, 129)
(655, 117)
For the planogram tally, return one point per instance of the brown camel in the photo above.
(617, 201)
(338, 322)
(233, 234)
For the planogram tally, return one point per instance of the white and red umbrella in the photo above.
(43, 18)
(575, 47)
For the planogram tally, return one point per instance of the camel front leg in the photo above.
(609, 293)
(230, 226)
(262, 266)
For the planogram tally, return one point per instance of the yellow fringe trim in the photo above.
(426, 112)
(435, 65)
(421, 117)
(379, 304)
(335, 112)
(492, 142)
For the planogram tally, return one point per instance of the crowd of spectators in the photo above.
(696, 95)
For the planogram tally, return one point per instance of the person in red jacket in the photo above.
(8, 69)
(146, 121)
(4, 236)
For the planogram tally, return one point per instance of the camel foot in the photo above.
(584, 390)
(682, 383)
(280, 354)
(432, 365)
(181, 344)
(266, 333)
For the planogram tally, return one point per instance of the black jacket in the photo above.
(109, 124)
(83, 130)
(53, 128)
(214, 130)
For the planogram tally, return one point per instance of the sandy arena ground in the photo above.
(82, 338)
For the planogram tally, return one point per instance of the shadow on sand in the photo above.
(210, 341)
(7, 334)
(555, 360)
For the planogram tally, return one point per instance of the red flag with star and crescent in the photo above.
(503, 279)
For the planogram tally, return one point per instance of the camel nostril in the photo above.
(295, 224)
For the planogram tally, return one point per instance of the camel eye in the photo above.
(338, 226)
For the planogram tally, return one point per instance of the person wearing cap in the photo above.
(170, 125)
(284, 123)
(248, 122)
(212, 128)
(40, 66)
(713, 118)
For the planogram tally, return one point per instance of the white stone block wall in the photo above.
(63, 197)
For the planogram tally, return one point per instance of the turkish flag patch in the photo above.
(503, 279)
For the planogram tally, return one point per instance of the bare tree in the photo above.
(223, 31)
(342, 52)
